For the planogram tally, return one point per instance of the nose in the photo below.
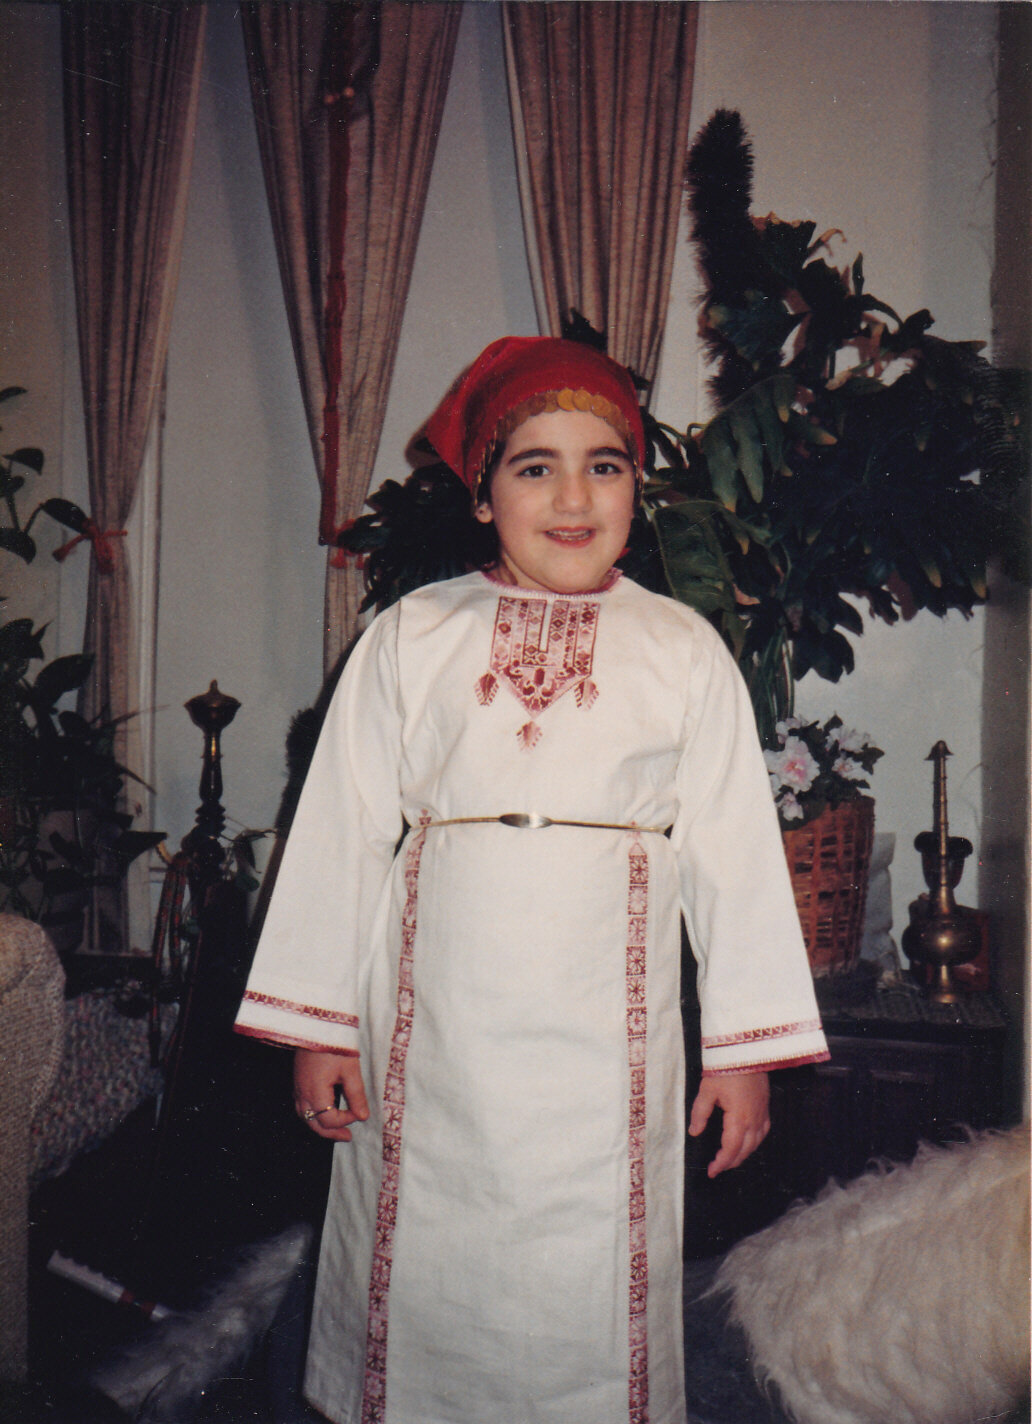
(573, 492)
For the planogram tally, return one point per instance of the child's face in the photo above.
(562, 499)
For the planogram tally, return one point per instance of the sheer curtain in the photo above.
(601, 97)
(348, 102)
(131, 81)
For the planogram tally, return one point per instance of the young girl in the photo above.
(527, 774)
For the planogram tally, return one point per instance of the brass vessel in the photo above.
(941, 933)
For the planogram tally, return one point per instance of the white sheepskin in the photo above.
(161, 1378)
(902, 1298)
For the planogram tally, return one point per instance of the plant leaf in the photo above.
(718, 449)
(28, 455)
(749, 449)
(65, 674)
(131, 844)
(66, 513)
(17, 542)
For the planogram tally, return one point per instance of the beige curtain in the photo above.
(131, 77)
(601, 97)
(348, 102)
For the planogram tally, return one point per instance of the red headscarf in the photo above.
(519, 369)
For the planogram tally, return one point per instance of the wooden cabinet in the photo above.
(902, 1070)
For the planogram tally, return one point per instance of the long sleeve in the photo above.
(303, 990)
(755, 986)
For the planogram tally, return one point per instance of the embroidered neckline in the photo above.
(540, 650)
(610, 581)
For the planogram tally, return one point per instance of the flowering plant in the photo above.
(815, 766)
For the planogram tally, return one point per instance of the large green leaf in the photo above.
(20, 641)
(748, 439)
(693, 560)
(745, 436)
(28, 455)
(757, 330)
(17, 542)
(66, 674)
(721, 459)
(786, 245)
(131, 844)
(66, 513)
(772, 430)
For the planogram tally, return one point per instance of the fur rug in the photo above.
(161, 1379)
(902, 1298)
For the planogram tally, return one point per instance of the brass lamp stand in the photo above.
(211, 711)
(941, 933)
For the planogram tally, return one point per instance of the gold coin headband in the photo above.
(545, 403)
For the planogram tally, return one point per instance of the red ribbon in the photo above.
(341, 558)
(103, 549)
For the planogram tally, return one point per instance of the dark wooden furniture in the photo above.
(902, 1071)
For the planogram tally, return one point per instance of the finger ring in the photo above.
(309, 1113)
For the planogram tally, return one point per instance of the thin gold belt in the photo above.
(531, 821)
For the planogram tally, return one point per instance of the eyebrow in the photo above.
(543, 453)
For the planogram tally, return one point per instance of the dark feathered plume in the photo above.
(719, 194)
(720, 168)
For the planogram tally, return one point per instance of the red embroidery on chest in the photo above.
(540, 651)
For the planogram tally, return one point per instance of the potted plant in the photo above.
(63, 829)
(853, 456)
(853, 453)
(818, 774)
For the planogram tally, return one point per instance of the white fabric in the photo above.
(493, 982)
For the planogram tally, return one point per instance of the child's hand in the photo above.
(744, 1098)
(317, 1077)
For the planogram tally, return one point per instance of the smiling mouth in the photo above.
(571, 536)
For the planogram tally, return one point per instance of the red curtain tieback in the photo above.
(341, 558)
(103, 549)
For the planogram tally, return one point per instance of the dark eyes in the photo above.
(600, 467)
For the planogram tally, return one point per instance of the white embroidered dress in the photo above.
(502, 1241)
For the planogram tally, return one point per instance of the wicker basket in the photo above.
(828, 860)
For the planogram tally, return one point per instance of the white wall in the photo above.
(875, 118)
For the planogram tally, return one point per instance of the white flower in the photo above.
(790, 724)
(773, 761)
(794, 765)
(848, 769)
(850, 741)
(790, 808)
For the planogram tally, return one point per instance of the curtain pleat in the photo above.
(363, 87)
(601, 99)
(131, 83)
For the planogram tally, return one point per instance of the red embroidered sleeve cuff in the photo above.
(297, 1025)
(761, 1049)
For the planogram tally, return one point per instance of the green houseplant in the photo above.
(854, 457)
(853, 453)
(63, 829)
